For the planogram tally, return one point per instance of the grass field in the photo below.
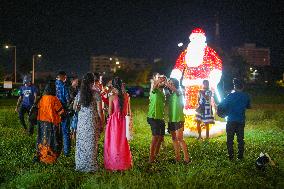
(210, 167)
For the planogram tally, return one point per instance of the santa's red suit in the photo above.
(206, 65)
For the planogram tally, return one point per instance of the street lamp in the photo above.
(34, 56)
(15, 60)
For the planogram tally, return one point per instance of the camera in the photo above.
(162, 78)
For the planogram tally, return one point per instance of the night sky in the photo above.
(68, 32)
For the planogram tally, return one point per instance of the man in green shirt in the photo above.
(155, 116)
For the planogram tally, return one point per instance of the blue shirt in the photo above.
(235, 105)
(62, 92)
(28, 95)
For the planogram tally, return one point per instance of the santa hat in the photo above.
(198, 30)
(197, 33)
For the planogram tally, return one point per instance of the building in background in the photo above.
(113, 63)
(257, 60)
(254, 56)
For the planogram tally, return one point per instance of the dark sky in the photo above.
(67, 32)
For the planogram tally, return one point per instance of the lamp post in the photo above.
(15, 60)
(34, 56)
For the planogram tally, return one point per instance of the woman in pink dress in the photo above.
(117, 155)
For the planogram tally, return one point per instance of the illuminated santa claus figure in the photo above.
(195, 64)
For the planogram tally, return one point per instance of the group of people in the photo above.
(90, 108)
(82, 112)
(155, 117)
(232, 108)
(160, 90)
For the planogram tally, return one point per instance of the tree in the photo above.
(240, 68)
(143, 77)
(126, 76)
(162, 66)
(233, 67)
(1, 72)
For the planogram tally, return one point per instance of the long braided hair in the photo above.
(117, 84)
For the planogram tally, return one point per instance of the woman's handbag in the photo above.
(128, 127)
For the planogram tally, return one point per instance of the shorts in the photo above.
(157, 126)
(174, 126)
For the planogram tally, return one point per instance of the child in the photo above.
(176, 119)
(156, 115)
(204, 113)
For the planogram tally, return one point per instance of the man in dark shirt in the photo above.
(62, 93)
(235, 105)
(28, 94)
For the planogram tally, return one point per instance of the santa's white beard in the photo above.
(195, 54)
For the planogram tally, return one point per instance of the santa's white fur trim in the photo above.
(189, 111)
(176, 73)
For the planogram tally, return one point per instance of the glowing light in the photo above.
(6, 46)
(198, 30)
(176, 73)
(117, 63)
(110, 59)
(218, 95)
(39, 55)
(192, 82)
(180, 44)
(197, 36)
(214, 77)
(197, 63)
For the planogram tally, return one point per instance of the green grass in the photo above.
(210, 167)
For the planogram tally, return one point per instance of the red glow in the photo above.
(211, 61)
(198, 30)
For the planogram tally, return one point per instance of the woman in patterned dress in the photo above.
(117, 155)
(89, 126)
